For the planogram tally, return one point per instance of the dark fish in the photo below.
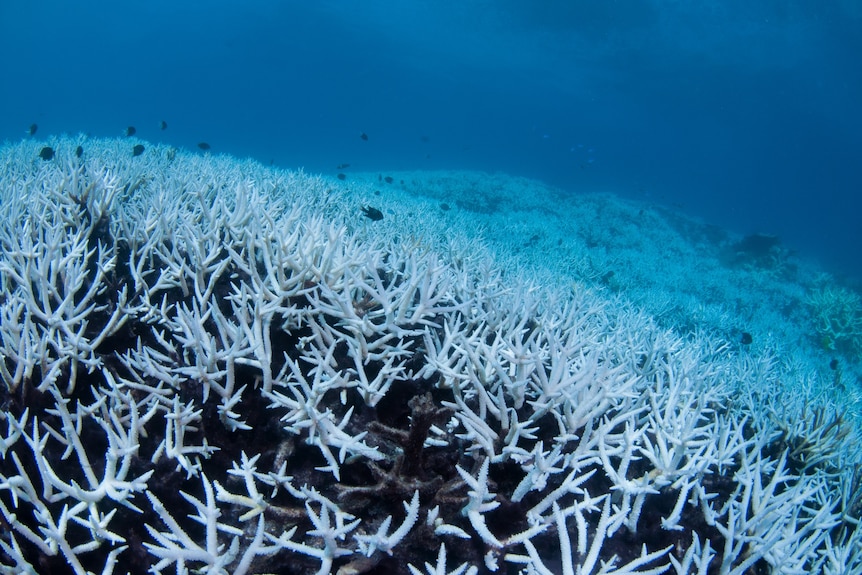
(833, 365)
(341, 176)
(32, 129)
(745, 338)
(388, 179)
(79, 151)
(372, 214)
(445, 207)
(203, 146)
(342, 166)
(131, 131)
(364, 136)
(46, 153)
(163, 125)
(138, 150)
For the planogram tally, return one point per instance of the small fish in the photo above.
(203, 146)
(364, 136)
(138, 150)
(745, 338)
(32, 129)
(342, 166)
(163, 125)
(46, 153)
(79, 151)
(372, 214)
(341, 176)
(388, 179)
(131, 131)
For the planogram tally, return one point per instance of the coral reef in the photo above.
(204, 369)
(837, 316)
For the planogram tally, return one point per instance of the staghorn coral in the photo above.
(204, 370)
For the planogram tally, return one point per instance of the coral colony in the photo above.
(207, 370)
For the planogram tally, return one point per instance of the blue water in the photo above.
(745, 113)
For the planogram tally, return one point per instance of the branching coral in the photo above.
(200, 373)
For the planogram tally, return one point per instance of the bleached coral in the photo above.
(214, 367)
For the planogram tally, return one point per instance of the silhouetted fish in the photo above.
(372, 214)
(131, 131)
(341, 176)
(163, 125)
(203, 146)
(364, 136)
(388, 179)
(342, 166)
(79, 151)
(46, 153)
(32, 129)
(138, 150)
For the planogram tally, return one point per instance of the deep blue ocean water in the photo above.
(745, 113)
